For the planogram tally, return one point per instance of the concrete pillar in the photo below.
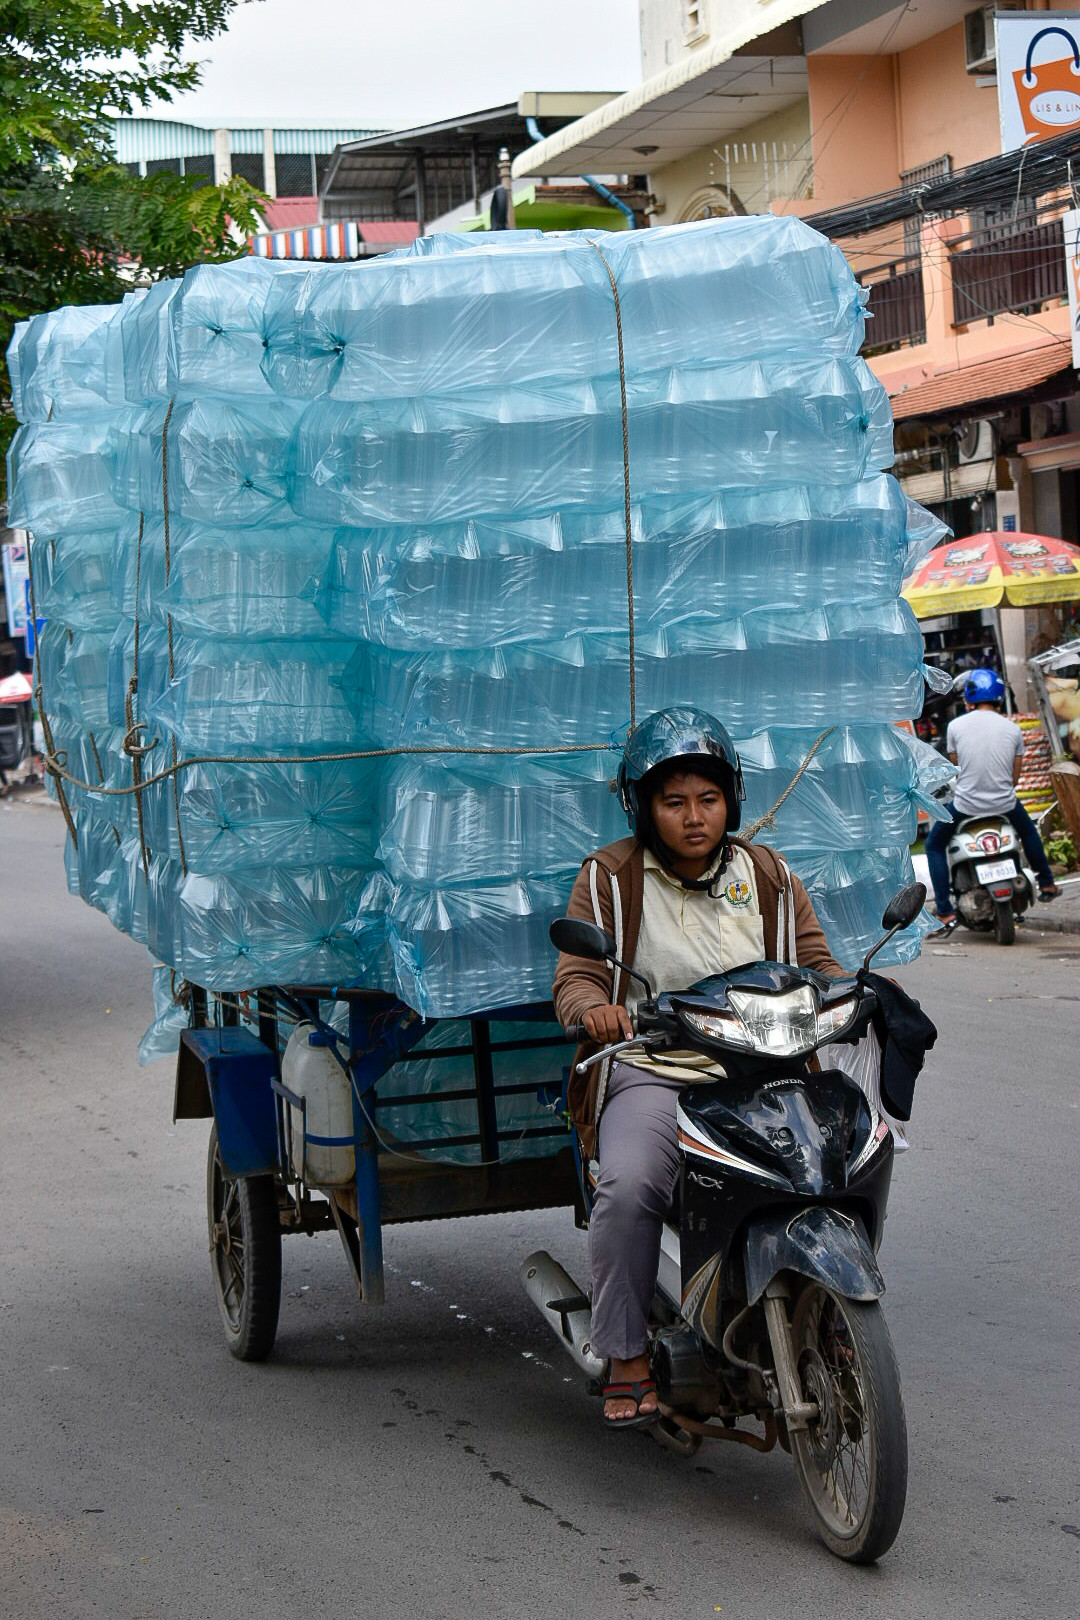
(507, 183)
(1014, 648)
(421, 191)
(269, 164)
(937, 282)
(222, 157)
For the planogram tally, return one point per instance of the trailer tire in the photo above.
(245, 1255)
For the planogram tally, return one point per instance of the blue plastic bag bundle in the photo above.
(68, 391)
(532, 308)
(231, 873)
(203, 333)
(225, 459)
(446, 457)
(560, 573)
(383, 509)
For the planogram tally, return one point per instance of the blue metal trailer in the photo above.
(229, 1070)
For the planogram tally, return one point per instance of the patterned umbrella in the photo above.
(1022, 569)
(15, 689)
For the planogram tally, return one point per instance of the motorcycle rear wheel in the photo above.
(852, 1459)
(1004, 922)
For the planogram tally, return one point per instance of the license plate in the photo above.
(994, 871)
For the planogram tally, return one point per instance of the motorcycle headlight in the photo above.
(783, 1025)
(832, 1021)
(719, 1026)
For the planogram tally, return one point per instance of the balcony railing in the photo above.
(897, 305)
(1007, 269)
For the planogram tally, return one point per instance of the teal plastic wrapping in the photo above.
(443, 457)
(533, 308)
(390, 519)
(853, 661)
(490, 580)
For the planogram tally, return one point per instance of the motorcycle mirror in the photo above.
(904, 906)
(578, 938)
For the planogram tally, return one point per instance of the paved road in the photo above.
(438, 1459)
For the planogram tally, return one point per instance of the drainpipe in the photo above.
(590, 180)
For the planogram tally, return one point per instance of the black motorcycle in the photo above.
(767, 1303)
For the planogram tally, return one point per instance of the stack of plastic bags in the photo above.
(285, 513)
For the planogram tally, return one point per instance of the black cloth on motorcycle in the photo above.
(906, 1035)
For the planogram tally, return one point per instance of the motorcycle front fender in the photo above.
(818, 1242)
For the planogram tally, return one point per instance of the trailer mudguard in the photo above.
(817, 1242)
(236, 1070)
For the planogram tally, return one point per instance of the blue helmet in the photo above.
(984, 686)
(690, 736)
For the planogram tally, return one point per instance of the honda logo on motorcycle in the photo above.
(989, 842)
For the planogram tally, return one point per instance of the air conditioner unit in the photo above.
(980, 46)
(975, 443)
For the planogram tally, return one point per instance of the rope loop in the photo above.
(131, 745)
(769, 818)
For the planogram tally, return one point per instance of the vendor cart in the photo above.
(229, 1069)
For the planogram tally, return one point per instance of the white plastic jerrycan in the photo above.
(311, 1070)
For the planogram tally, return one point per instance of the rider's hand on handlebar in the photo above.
(608, 1024)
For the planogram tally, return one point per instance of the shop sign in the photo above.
(1070, 229)
(16, 575)
(1038, 75)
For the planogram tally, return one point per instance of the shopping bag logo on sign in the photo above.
(1048, 93)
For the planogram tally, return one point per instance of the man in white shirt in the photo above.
(989, 751)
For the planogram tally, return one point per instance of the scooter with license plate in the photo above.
(767, 1307)
(986, 876)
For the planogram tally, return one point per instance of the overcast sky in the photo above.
(384, 64)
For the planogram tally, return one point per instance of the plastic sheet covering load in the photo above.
(341, 565)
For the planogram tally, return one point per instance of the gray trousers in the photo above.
(639, 1162)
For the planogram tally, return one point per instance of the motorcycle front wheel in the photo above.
(852, 1458)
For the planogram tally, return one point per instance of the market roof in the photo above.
(966, 387)
(385, 163)
(714, 91)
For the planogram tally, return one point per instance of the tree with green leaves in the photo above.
(75, 227)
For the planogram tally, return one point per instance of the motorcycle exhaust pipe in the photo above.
(563, 1306)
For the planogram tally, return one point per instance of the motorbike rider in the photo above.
(989, 751)
(683, 899)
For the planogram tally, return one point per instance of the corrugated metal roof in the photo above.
(291, 213)
(317, 140)
(986, 380)
(154, 139)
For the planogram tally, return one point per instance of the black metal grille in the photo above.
(897, 304)
(1013, 270)
(200, 168)
(249, 166)
(295, 174)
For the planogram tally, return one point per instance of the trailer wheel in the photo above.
(245, 1255)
